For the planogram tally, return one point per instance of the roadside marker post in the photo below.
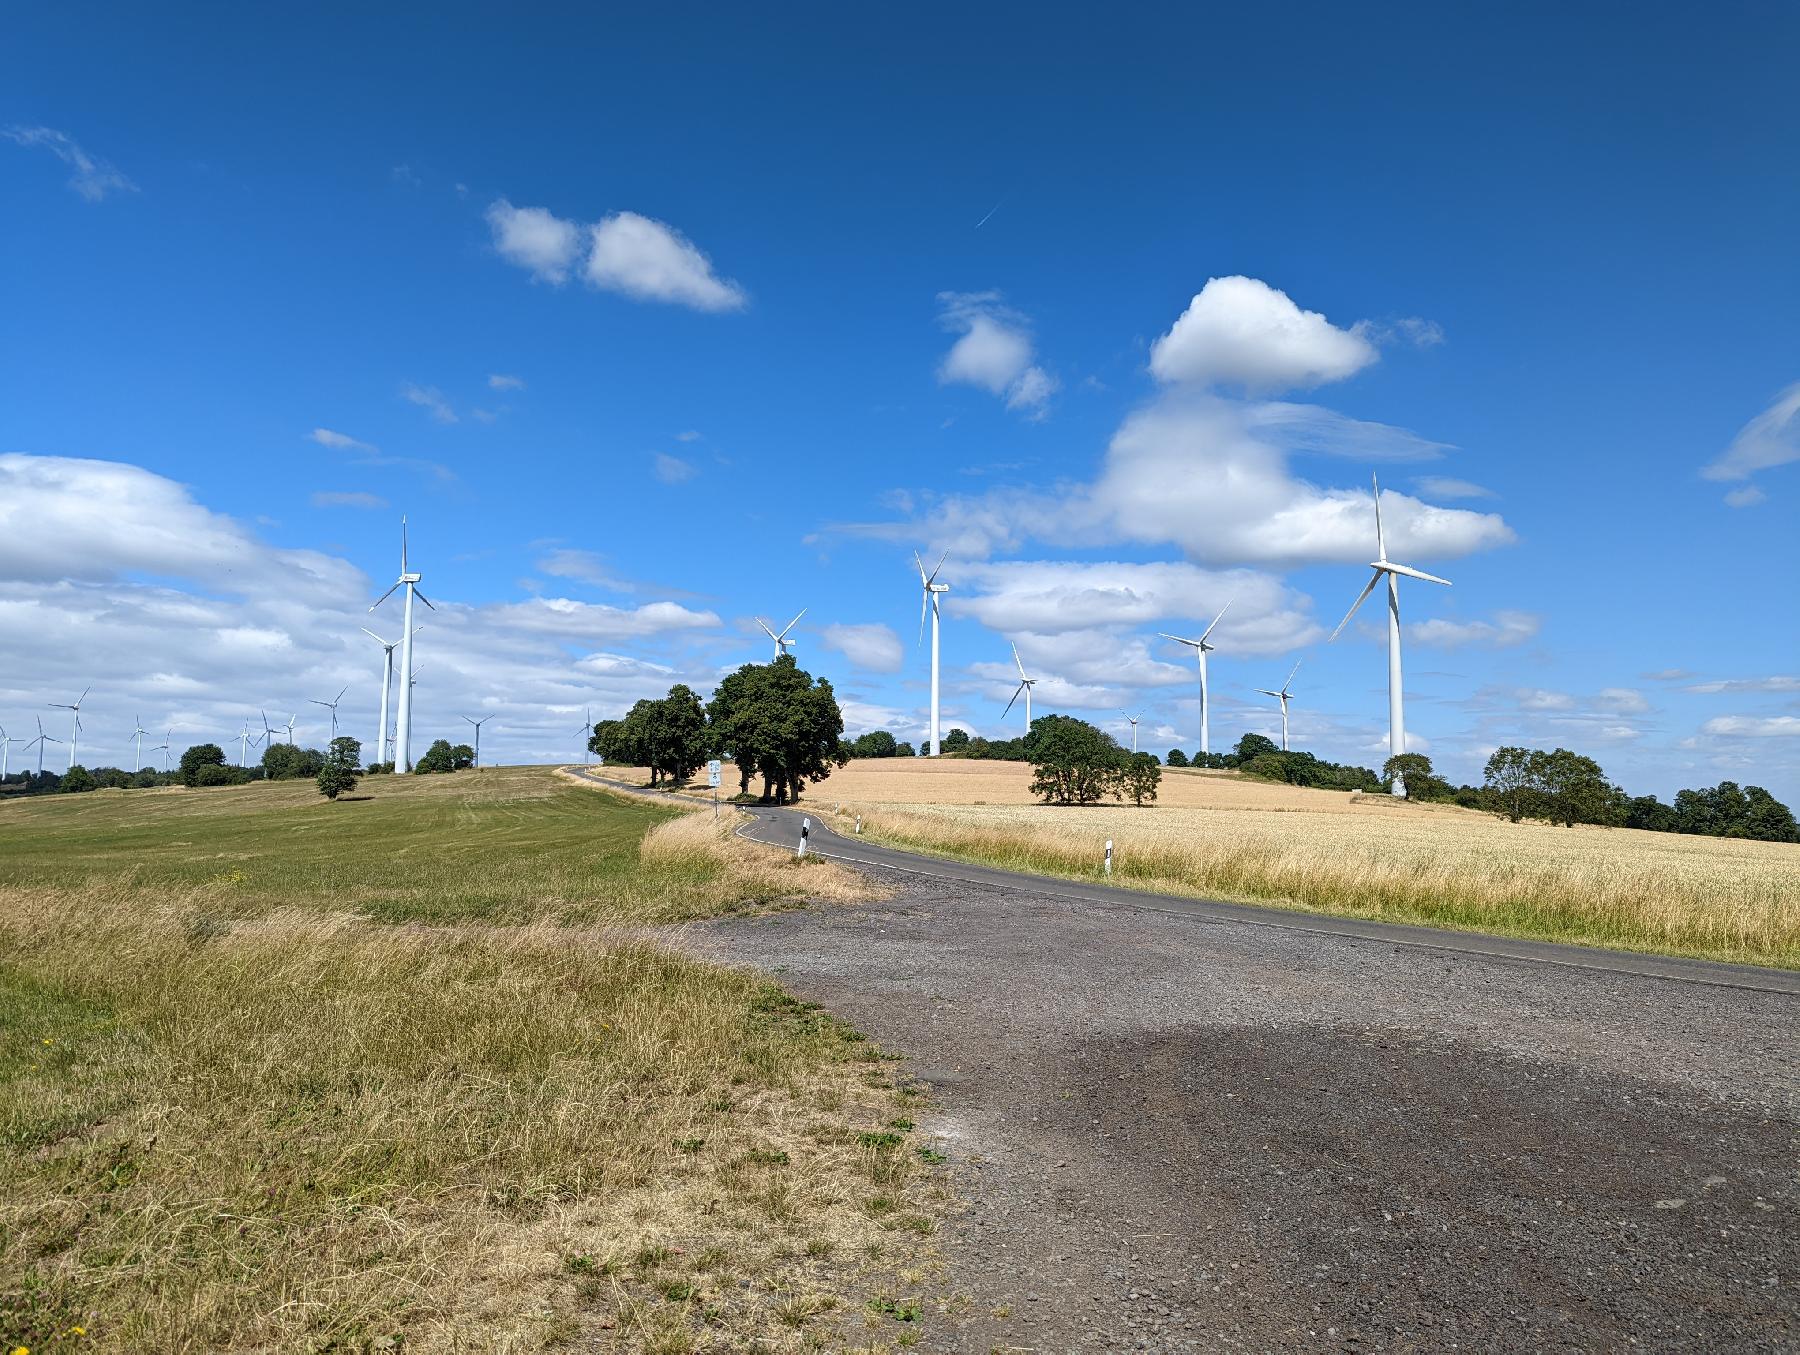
(859, 825)
(1108, 864)
(805, 829)
(712, 779)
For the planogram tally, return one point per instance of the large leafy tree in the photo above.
(199, 756)
(338, 775)
(1138, 778)
(1512, 782)
(1073, 762)
(1415, 770)
(779, 724)
(1573, 788)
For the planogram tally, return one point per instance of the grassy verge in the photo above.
(1706, 898)
(226, 1125)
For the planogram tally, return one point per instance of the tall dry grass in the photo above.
(1704, 897)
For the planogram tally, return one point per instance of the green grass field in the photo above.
(408, 1073)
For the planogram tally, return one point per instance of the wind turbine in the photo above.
(410, 581)
(478, 724)
(782, 643)
(1134, 724)
(1025, 685)
(268, 732)
(929, 599)
(245, 741)
(289, 726)
(586, 731)
(1283, 696)
(332, 704)
(387, 682)
(1201, 650)
(6, 743)
(164, 748)
(75, 734)
(137, 734)
(1382, 565)
(40, 741)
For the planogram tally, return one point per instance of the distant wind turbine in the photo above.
(75, 733)
(40, 741)
(6, 743)
(331, 706)
(478, 724)
(409, 580)
(1025, 686)
(782, 643)
(246, 741)
(1134, 724)
(289, 727)
(1382, 565)
(137, 734)
(163, 747)
(586, 731)
(1201, 650)
(1283, 696)
(387, 683)
(929, 599)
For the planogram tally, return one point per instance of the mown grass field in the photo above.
(408, 1073)
(1221, 836)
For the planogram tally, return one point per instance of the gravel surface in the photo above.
(1175, 1133)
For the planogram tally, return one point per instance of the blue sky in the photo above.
(654, 323)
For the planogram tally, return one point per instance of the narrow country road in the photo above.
(1182, 1126)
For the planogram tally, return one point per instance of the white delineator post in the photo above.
(1107, 864)
(805, 829)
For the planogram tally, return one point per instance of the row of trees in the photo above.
(773, 720)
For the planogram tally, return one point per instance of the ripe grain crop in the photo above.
(1221, 836)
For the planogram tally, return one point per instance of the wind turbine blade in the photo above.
(765, 629)
(1380, 536)
(1266, 692)
(1419, 574)
(383, 598)
(83, 696)
(1009, 704)
(796, 621)
(940, 564)
(921, 564)
(1220, 617)
(372, 635)
(924, 602)
(340, 695)
(403, 543)
(1180, 640)
(1290, 681)
(1368, 588)
(422, 598)
(1017, 664)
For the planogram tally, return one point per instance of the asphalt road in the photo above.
(1183, 1126)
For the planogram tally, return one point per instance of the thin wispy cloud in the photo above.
(500, 381)
(94, 178)
(672, 470)
(347, 499)
(430, 399)
(1771, 439)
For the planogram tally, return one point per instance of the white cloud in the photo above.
(431, 400)
(1772, 438)
(1753, 727)
(1310, 428)
(1448, 487)
(689, 436)
(1745, 496)
(1503, 632)
(500, 381)
(672, 470)
(650, 261)
(347, 499)
(1768, 684)
(338, 441)
(93, 178)
(873, 646)
(1621, 701)
(994, 352)
(1240, 331)
(534, 239)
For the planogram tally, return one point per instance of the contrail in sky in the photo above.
(984, 220)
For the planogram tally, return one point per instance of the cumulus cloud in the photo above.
(536, 240)
(1772, 438)
(672, 470)
(1242, 332)
(1753, 726)
(650, 261)
(1503, 632)
(872, 646)
(93, 178)
(347, 499)
(994, 351)
(430, 399)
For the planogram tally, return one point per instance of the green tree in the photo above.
(462, 757)
(1512, 779)
(906, 750)
(338, 774)
(1573, 787)
(1767, 819)
(1254, 746)
(281, 761)
(956, 740)
(1414, 769)
(1073, 762)
(1138, 779)
(1176, 758)
(437, 760)
(876, 743)
(777, 723)
(76, 780)
(200, 755)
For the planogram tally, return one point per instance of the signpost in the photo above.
(712, 779)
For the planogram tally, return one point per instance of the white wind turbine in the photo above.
(246, 741)
(1025, 686)
(586, 731)
(163, 748)
(75, 733)
(387, 683)
(40, 741)
(929, 599)
(6, 743)
(1283, 696)
(289, 727)
(331, 705)
(1133, 719)
(478, 724)
(1382, 565)
(1201, 650)
(782, 643)
(137, 734)
(402, 758)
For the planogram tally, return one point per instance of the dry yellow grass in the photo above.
(1225, 837)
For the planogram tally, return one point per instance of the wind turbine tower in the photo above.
(75, 733)
(586, 731)
(1201, 649)
(1133, 719)
(6, 743)
(40, 741)
(137, 735)
(478, 724)
(929, 599)
(1025, 686)
(782, 643)
(330, 705)
(387, 683)
(163, 747)
(1283, 696)
(1382, 565)
(402, 758)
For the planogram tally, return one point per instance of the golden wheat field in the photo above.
(1223, 836)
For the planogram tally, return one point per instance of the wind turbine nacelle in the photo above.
(940, 587)
(412, 578)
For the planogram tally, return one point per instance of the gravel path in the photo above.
(1184, 1133)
